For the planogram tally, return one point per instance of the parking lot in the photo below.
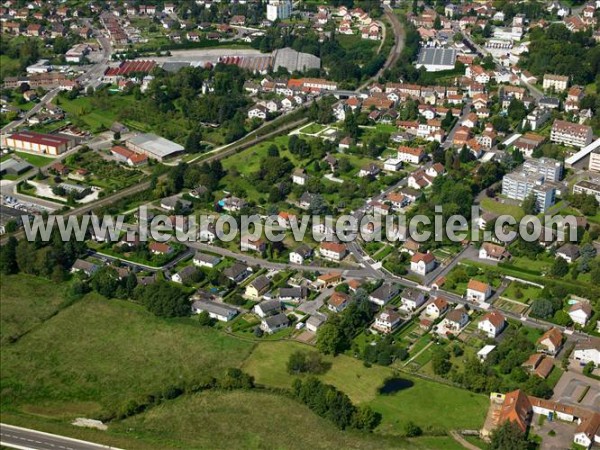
(572, 384)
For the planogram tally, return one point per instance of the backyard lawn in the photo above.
(497, 207)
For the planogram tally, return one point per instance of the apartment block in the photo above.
(519, 185)
(595, 160)
(551, 169)
(571, 134)
(587, 187)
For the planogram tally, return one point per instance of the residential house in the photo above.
(238, 272)
(333, 251)
(437, 307)
(267, 308)
(275, 323)
(568, 252)
(422, 263)
(257, 287)
(204, 260)
(412, 155)
(293, 294)
(185, 275)
(160, 248)
(248, 243)
(587, 350)
(412, 299)
(456, 319)
(338, 302)
(81, 265)
(219, 311)
(299, 176)
(383, 294)
(493, 251)
(550, 342)
(315, 321)
(478, 291)
(580, 313)
(492, 324)
(300, 254)
(386, 321)
(369, 170)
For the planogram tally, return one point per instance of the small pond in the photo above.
(393, 385)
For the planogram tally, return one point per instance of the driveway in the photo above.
(563, 433)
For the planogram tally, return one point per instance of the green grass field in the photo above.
(27, 301)
(492, 206)
(427, 403)
(35, 160)
(97, 355)
(81, 109)
(249, 420)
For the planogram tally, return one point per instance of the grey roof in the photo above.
(276, 320)
(175, 66)
(437, 56)
(13, 166)
(303, 250)
(7, 214)
(155, 145)
(270, 306)
(187, 272)
(235, 271)
(210, 259)
(293, 292)
(213, 307)
(172, 201)
(385, 291)
(410, 294)
(316, 320)
(86, 266)
(570, 250)
(261, 283)
(295, 61)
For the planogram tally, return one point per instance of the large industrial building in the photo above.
(295, 61)
(44, 144)
(153, 146)
(436, 59)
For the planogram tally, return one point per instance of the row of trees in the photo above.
(326, 401)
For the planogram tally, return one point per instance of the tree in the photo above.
(192, 143)
(508, 436)
(8, 257)
(236, 379)
(529, 204)
(165, 300)
(560, 267)
(305, 362)
(329, 338)
(105, 281)
(542, 308)
(412, 430)
(440, 362)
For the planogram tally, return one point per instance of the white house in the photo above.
(587, 351)
(437, 307)
(456, 319)
(492, 324)
(580, 313)
(258, 111)
(422, 263)
(274, 323)
(413, 155)
(300, 254)
(267, 308)
(215, 310)
(478, 291)
(332, 251)
(204, 260)
(386, 321)
(493, 252)
(412, 299)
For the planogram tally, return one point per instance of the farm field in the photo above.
(97, 355)
(27, 301)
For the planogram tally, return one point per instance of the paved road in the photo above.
(22, 438)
